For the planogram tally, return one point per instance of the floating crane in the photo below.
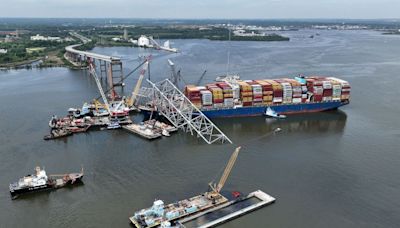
(216, 188)
(195, 208)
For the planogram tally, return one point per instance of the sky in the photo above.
(202, 9)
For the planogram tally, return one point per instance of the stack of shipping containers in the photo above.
(206, 98)
(218, 97)
(227, 94)
(287, 91)
(327, 94)
(267, 92)
(193, 93)
(315, 87)
(257, 92)
(345, 88)
(277, 91)
(246, 93)
(296, 90)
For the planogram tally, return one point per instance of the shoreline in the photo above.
(27, 64)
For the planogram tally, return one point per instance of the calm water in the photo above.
(333, 169)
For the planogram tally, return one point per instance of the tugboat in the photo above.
(114, 124)
(40, 182)
(271, 113)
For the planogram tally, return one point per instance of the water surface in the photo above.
(332, 169)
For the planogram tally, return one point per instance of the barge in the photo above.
(144, 130)
(172, 215)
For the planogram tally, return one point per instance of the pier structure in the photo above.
(110, 67)
(169, 101)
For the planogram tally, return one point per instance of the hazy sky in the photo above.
(364, 9)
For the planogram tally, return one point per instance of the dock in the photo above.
(142, 131)
(264, 198)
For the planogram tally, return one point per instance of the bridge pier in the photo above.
(117, 74)
(110, 66)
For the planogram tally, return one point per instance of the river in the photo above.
(331, 169)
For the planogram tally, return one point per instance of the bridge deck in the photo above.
(107, 58)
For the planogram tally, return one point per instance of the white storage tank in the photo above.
(143, 41)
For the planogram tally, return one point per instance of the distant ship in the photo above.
(40, 182)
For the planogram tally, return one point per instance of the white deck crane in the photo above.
(135, 92)
(216, 188)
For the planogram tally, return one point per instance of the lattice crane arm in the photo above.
(135, 92)
(227, 170)
(103, 96)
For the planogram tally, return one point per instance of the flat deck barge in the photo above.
(184, 211)
(264, 200)
(142, 131)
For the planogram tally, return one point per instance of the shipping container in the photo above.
(206, 97)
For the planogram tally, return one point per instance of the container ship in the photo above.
(232, 97)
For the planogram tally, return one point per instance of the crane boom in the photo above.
(227, 170)
(174, 75)
(154, 42)
(138, 84)
(103, 96)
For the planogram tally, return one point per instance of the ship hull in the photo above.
(20, 191)
(281, 109)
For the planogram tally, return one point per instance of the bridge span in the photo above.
(110, 66)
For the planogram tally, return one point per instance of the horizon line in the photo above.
(148, 18)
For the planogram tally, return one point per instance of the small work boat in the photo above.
(114, 124)
(40, 182)
(271, 113)
(161, 125)
(57, 133)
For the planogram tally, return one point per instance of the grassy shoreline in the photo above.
(52, 53)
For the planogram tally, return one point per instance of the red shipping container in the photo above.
(278, 93)
(317, 98)
(327, 92)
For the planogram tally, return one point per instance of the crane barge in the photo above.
(174, 214)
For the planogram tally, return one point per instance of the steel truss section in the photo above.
(177, 108)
